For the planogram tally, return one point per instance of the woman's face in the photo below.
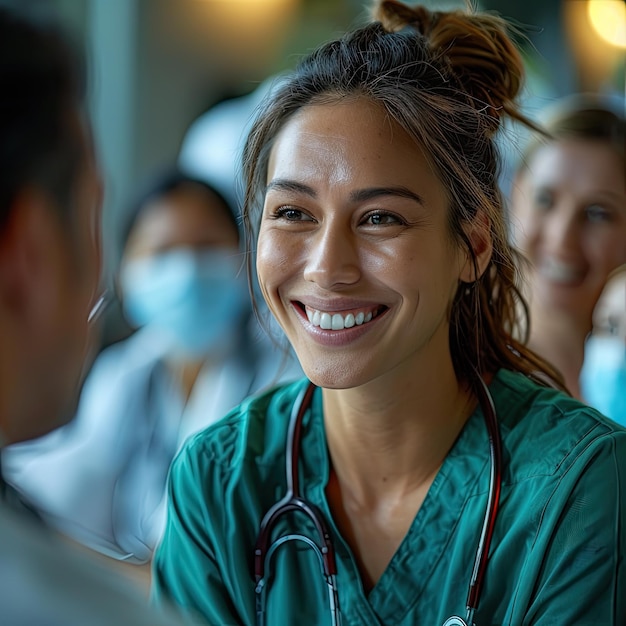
(355, 258)
(181, 274)
(569, 218)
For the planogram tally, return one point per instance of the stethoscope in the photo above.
(323, 547)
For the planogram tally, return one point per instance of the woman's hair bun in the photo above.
(395, 16)
(476, 47)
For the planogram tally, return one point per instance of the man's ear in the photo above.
(478, 233)
(27, 252)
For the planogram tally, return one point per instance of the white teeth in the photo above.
(336, 321)
(325, 321)
(559, 272)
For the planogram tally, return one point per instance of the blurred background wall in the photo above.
(156, 65)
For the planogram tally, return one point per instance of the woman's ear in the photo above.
(478, 234)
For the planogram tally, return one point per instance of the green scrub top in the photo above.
(557, 556)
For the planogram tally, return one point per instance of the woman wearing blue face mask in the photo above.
(603, 375)
(195, 354)
(181, 276)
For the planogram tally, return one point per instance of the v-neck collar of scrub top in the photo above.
(404, 580)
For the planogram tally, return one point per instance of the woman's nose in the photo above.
(561, 234)
(332, 258)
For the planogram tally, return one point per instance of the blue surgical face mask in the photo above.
(603, 376)
(195, 298)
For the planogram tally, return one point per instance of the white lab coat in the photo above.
(102, 478)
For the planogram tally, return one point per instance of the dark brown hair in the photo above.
(584, 117)
(42, 82)
(448, 78)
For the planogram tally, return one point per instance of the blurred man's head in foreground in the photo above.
(50, 255)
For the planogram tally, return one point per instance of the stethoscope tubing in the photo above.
(292, 501)
(493, 499)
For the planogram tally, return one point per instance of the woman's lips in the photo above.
(338, 322)
(560, 273)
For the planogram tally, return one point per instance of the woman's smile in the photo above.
(335, 324)
(339, 321)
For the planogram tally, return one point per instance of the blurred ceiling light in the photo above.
(238, 5)
(241, 38)
(242, 17)
(608, 18)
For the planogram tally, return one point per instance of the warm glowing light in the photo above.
(608, 18)
(243, 37)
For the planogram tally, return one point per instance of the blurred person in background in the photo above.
(50, 262)
(213, 144)
(568, 217)
(603, 376)
(198, 352)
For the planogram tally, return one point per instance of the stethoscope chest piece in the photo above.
(456, 621)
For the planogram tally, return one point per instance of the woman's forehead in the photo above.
(350, 138)
(579, 166)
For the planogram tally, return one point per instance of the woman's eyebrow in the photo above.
(610, 195)
(361, 195)
(283, 184)
(370, 193)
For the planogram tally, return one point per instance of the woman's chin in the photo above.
(332, 378)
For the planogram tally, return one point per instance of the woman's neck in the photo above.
(187, 370)
(389, 437)
(387, 441)
(186, 374)
(560, 340)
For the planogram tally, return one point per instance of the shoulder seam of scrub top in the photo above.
(518, 383)
(586, 427)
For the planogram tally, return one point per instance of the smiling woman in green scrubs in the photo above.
(373, 207)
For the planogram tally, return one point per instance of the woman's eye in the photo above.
(381, 219)
(597, 213)
(291, 214)
(544, 199)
